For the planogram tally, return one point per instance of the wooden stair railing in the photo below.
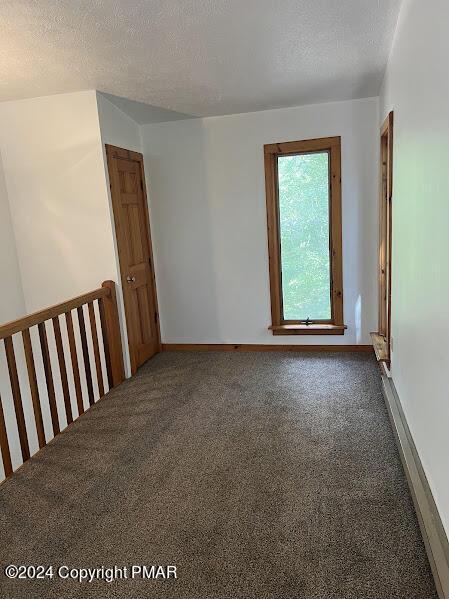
(113, 358)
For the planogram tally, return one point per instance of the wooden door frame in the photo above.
(117, 152)
(382, 338)
(386, 132)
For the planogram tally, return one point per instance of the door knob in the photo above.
(130, 279)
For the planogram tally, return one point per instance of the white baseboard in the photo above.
(432, 529)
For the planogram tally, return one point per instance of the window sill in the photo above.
(308, 329)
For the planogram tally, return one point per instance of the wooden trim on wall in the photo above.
(271, 153)
(385, 238)
(390, 223)
(387, 130)
(262, 347)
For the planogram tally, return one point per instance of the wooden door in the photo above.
(132, 227)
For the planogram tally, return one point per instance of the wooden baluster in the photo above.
(93, 328)
(49, 377)
(17, 398)
(82, 326)
(107, 353)
(110, 327)
(111, 331)
(28, 349)
(75, 366)
(62, 369)
(4, 445)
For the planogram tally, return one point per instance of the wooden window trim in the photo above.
(279, 326)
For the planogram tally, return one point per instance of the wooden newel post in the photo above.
(113, 340)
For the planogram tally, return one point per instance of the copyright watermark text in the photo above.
(108, 574)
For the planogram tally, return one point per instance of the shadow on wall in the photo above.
(181, 203)
(71, 224)
(360, 213)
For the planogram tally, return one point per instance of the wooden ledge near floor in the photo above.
(380, 347)
(248, 347)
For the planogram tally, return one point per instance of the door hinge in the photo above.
(155, 317)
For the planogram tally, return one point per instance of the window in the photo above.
(303, 187)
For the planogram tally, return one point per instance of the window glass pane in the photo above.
(304, 227)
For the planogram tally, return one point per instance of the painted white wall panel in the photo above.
(62, 243)
(12, 305)
(207, 199)
(416, 87)
(54, 175)
(12, 302)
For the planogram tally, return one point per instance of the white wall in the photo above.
(57, 193)
(54, 174)
(207, 203)
(12, 304)
(416, 87)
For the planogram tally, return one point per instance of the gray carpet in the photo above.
(259, 475)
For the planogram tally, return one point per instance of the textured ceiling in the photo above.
(145, 113)
(197, 57)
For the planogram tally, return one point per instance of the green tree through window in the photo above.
(303, 181)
